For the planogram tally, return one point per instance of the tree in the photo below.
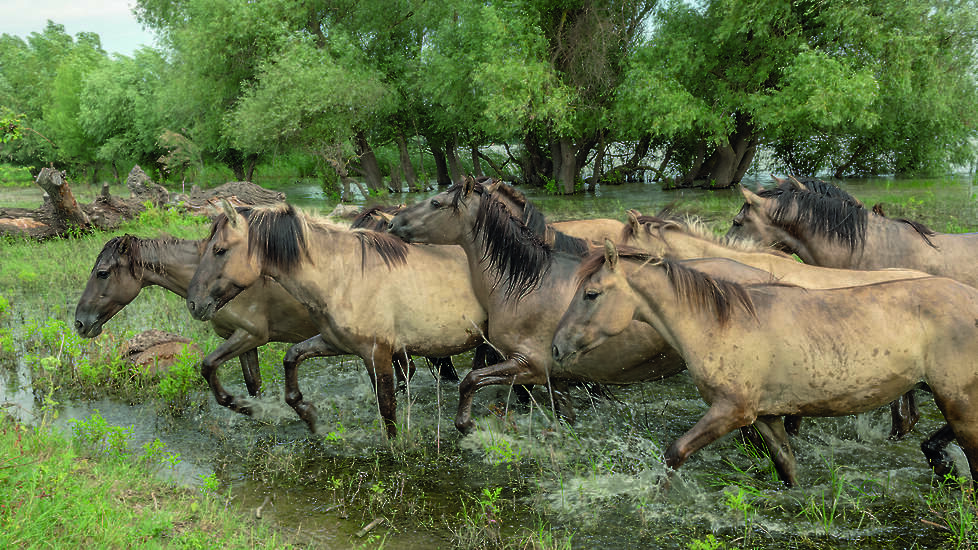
(809, 78)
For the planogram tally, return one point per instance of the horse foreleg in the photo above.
(720, 419)
(904, 414)
(379, 363)
(313, 347)
(775, 438)
(251, 371)
(511, 371)
(239, 344)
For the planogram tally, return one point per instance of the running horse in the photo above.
(525, 286)
(679, 239)
(325, 267)
(261, 314)
(860, 348)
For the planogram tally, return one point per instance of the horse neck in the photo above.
(686, 245)
(169, 264)
(659, 306)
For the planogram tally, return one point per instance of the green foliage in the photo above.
(93, 493)
(181, 379)
(98, 436)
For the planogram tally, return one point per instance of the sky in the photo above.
(112, 20)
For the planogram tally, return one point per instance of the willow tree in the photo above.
(538, 72)
(819, 81)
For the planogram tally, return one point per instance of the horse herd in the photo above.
(877, 307)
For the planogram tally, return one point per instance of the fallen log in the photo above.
(60, 214)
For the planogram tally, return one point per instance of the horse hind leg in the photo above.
(935, 449)
(775, 438)
(251, 371)
(380, 365)
(904, 414)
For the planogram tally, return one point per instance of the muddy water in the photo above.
(598, 483)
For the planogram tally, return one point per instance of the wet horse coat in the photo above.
(323, 266)
(524, 285)
(671, 238)
(263, 313)
(861, 346)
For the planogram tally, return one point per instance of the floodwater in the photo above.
(521, 477)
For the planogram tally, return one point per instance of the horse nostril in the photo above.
(390, 225)
(192, 306)
(78, 324)
(555, 351)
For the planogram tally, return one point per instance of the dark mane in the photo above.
(925, 232)
(131, 247)
(840, 219)
(695, 287)
(516, 247)
(277, 236)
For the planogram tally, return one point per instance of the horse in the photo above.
(324, 267)
(860, 347)
(834, 232)
(683, 240)
(263, 313)
(525, 285)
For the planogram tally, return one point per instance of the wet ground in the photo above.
(521, 476)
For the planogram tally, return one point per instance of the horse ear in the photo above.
(633, 220)
(793, 183)
(468, 184)
(386, 216)
(230, 212)
(749, 196)
(610, 255)
(777, 180)
(492, 187)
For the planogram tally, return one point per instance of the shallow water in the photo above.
(600, 482)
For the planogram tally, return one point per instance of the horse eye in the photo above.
(219, 251)
(102, 274)
(435, 203)
(591, 294)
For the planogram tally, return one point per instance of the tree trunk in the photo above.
(395, 185)
(534, 162)
(598, 165)
(476, 166)
(568, 165)
(62, 199)
(369, 168)
(454, 168)
(441, 163)
(406, 167)
(729, 162)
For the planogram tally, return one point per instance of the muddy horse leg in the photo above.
(904, 414)
(508, 372)
(237, 345)
(313, 347)
(251, 371)
(720, 419)
(775, 438)
(486, 355)
(379, 363)
(935, 449)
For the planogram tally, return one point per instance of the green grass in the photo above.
(80, 492)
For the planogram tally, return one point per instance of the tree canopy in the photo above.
(547, 92)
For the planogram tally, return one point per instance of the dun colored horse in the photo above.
(525, 286)
(679, 240)
(264, 313)
(421, 303)
(860, 347)
(833, 232)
